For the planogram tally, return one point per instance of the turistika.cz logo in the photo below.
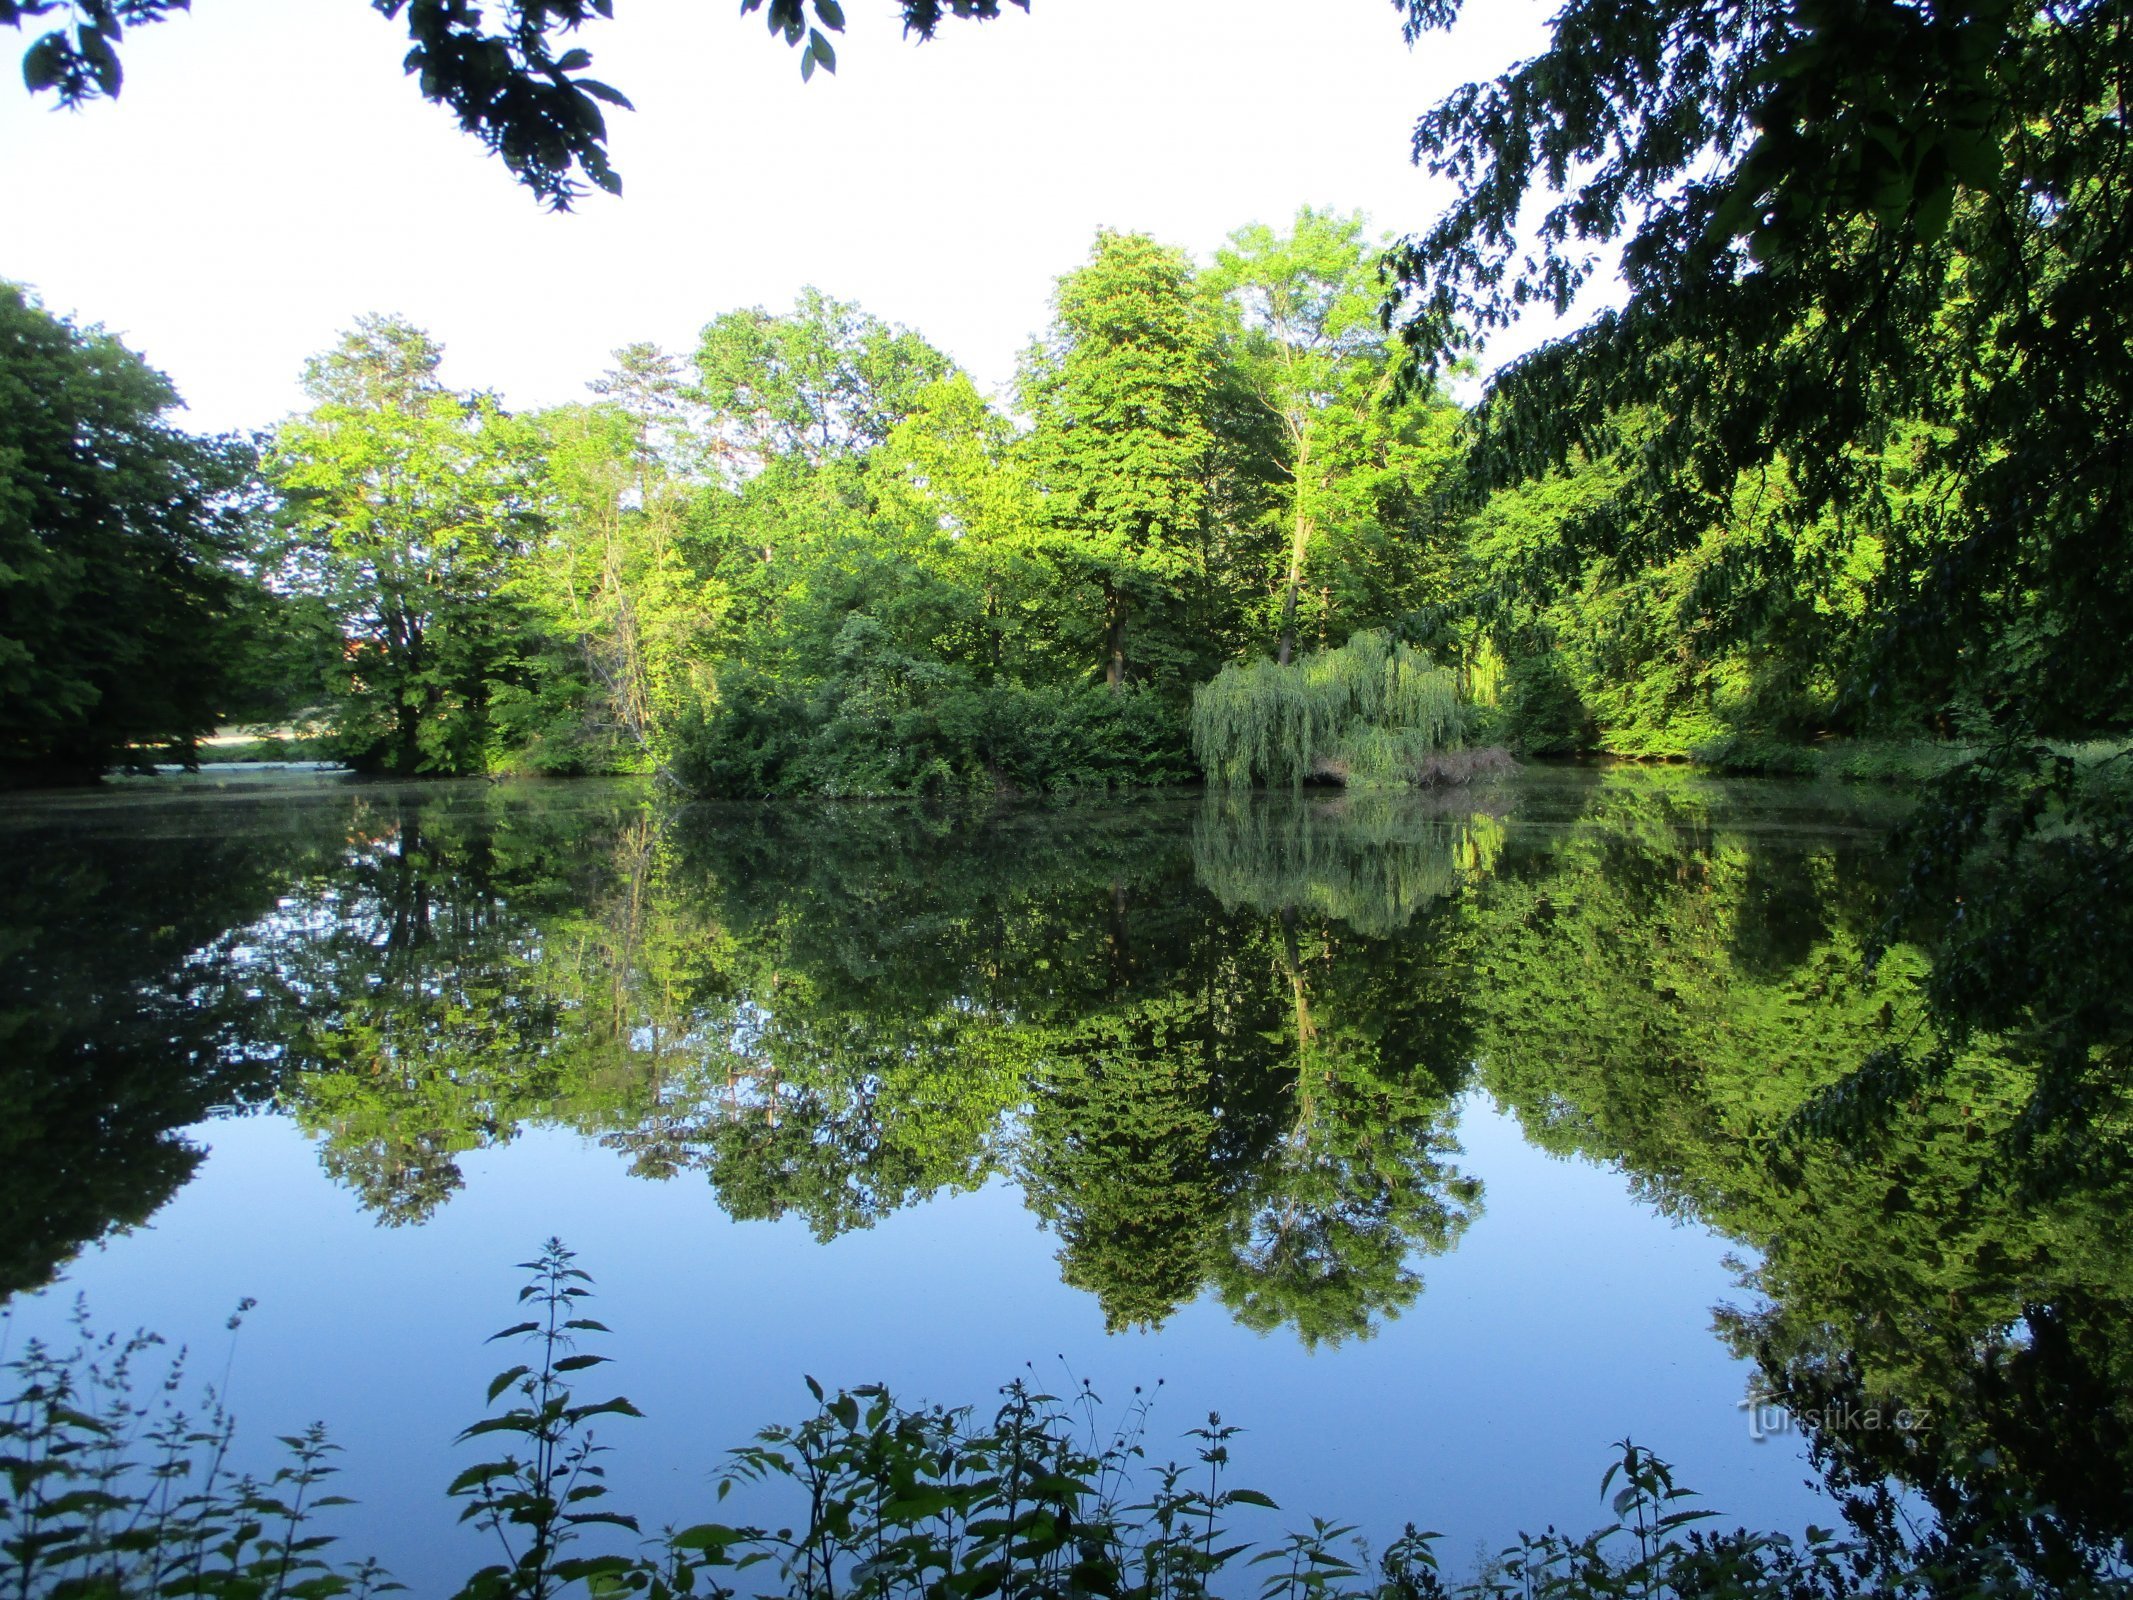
(1768, 1416)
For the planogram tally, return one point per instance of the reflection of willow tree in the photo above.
(1371, 859)
(1669, 995)
(834, 1014)
(120, 1022)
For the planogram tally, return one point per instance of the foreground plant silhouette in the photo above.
(110, 1492)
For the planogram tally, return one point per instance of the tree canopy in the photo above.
(1876, 261)
(119, 611)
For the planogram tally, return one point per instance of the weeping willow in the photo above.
(1370, 863)
(1368, 715)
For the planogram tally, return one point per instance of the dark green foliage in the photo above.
(883, 723)
(106, 1053)
(117, 605)
(1661, 991)
(1540, 712)
(539, 1503)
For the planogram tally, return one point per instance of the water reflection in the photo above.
(1218, 1047)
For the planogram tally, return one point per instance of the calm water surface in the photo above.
(1433, 1141)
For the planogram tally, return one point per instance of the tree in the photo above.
(402, 502)
(118, 602)
(611, 575)
(824, 382)
(1308, 304)
(520, 88)
(1119, 393)
(1837, 223)
(1849, 231)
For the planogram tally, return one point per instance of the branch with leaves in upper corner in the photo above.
(522, 86)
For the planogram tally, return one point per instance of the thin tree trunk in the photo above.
(1115, 637)
(1299, 542)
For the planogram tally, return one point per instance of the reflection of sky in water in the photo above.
(1568, 1316)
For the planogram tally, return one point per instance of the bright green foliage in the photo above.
(1359, 460)
(1877, 253)
(1119, 392)
(815, 560)
(1368, 714)
(612, 574)
(1763, 630)
(822, 382)
(405, 504)
(120, 614)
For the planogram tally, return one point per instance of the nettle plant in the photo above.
(114, 1488)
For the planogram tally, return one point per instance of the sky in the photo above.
(269, 173)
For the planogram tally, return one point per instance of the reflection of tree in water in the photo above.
(1370, 860)
(831, 1015)
(1665, 994)
(406, 983)
(122, 1021)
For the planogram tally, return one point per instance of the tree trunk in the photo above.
(1114, 638)
(1299, 541)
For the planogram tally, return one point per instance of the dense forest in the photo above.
(810, 556)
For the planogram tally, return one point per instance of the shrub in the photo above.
(886, 723)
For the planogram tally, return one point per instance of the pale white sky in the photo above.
(269, 173)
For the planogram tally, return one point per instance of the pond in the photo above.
(1439, 1143)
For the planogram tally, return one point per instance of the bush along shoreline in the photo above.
(113, 1489)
